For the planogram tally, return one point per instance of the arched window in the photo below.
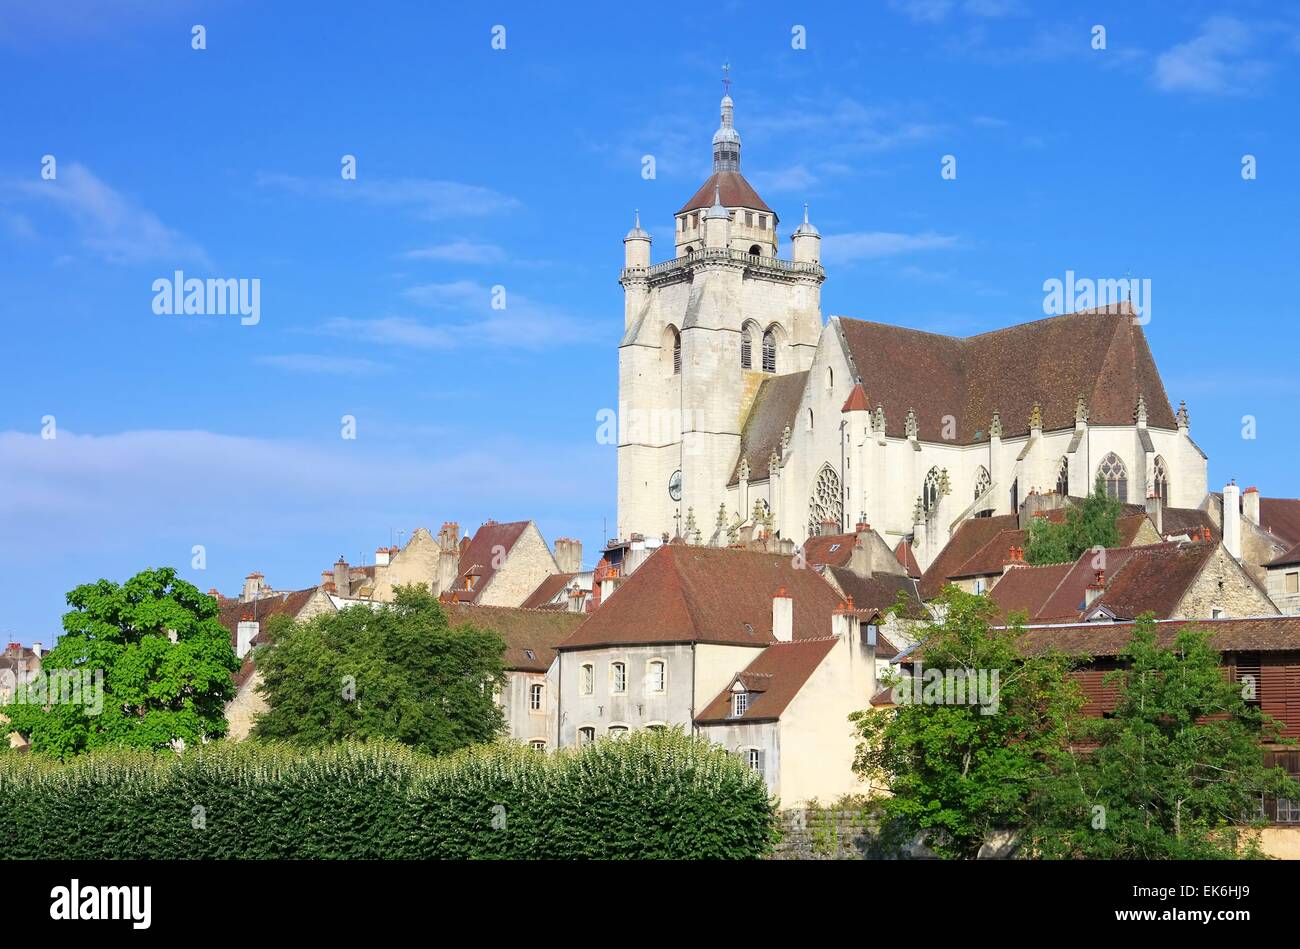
(1113, 472)
(1015, 496)
(982, 482)
(1063, 477)
(677, 353)
(826, 502)
(769, 351)
(810, 420)
(755, 250)
(746, 347)
(830, 378)
(930, 491)
(1160, 484)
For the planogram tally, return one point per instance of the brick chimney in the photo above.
(247, 629)
(1232, 518)
(342, 577)
(1250, 505)
(782, 616)
(1156, 511)
(1015, 558)
(1095, 589)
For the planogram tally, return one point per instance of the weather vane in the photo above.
(726, 79)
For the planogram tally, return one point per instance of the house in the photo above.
(18, 666)
(1283, 580)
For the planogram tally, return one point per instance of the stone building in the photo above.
(734, 396)
(1283, 581)
(18, 666)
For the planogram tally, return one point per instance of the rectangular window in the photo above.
(1293, 583)
(656, 677)
(618, 677)
(588, 680)
(739, 703)
(535, 698)
(586, 735)
(762, 222)
(755, 759)
(749, 219)
(1288, 811)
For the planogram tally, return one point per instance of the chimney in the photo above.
(326, 577)
(244, 634)
(861, 561)
(636, 553)
(212, 592)
(448, 557)
(1095, 589)
(381, 556)
(782, 616)
(38, 650)
(341, 577)
(1015, 558)
(568, 555)
(1250, 505)
(1232, 518)
(844, 621)
(1156, 511)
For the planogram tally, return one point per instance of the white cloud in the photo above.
(391, 331)
(464, 252)
(329, 365)
(110, 225)
(861, 245)
(429, 198)
(1213, 62)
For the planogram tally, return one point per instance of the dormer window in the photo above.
(739, 703)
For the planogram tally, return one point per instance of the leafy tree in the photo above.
(1177, 772)
(154, 690)
(398, 672)
(1086, 525)
(961, 771)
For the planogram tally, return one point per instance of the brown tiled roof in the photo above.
(908, 559)
(857, 400)
(734, 192)
(1101, 355)
(480, 554)
(992, 557)
(774, 407)
(1292, 556)
(525, 631)
(1154, 578)
(1027, 589)
(1066, 602)
(287, 604)
(547, 590)
(832, 550)
(776, 674)
(879, 591)
(1279, 515)
(1260, 634)
(970, 536)
(684, 594)
(1187, 520)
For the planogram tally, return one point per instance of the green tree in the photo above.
(1177, 771)
(960, 771)
(398, 672)
(1086, 525)
(117, 678)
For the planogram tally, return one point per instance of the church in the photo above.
(741, 408)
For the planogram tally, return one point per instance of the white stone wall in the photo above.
(528, 563)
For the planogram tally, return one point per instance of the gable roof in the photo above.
(733, 191)
(1253, 634)
(280, 604)
(775, 676)
(879, 592)
(687, 594)
(995, 555)
(774, 408)
(548, 590)
(1100, 354)
(1289, 558)
(530, 635)
(1281, 516)
(903, 552)
(480, 555)
(970, 536)
(1025, 589)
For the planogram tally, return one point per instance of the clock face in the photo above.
(675, 485)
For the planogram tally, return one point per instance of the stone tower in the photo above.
(701, 333)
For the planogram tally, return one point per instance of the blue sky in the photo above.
(521, 167)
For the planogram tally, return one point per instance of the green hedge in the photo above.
(647, 796)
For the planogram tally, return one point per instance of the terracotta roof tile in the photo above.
(530, 635)
(908, 559)
(547, 590)
(1027, 589)
(1281, 516)
(779, 672)
(969, 537)
(773, 409)
(834, 550)
(481, 553)
(1292, 556)
(684, 594)
(1257, 634)
(734, 192)
(879, 591)
(1007, 371)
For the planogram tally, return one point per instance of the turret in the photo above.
(806, 241)
(636, 261)
(717, 224)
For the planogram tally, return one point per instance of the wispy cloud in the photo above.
(936, 11)
(1214, 62)
(327, 365)
(863, 245)
(428, 198)
(462, 252)
(109, 224)
(391, 331)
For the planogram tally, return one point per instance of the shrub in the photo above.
(647, 796)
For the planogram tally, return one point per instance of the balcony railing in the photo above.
(752, 261)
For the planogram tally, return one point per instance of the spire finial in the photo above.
(805, 212)
(638, 217)
(726, 79)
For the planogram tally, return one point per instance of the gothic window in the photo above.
(746, 348)
(1113, 472)
(677, 353)
(810, 420)
(982, 482)
(769, 352)
(1015, 495)
(826, 502)
(930, 491)
(1160, 487)
(830, 378)
(1063, 477)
